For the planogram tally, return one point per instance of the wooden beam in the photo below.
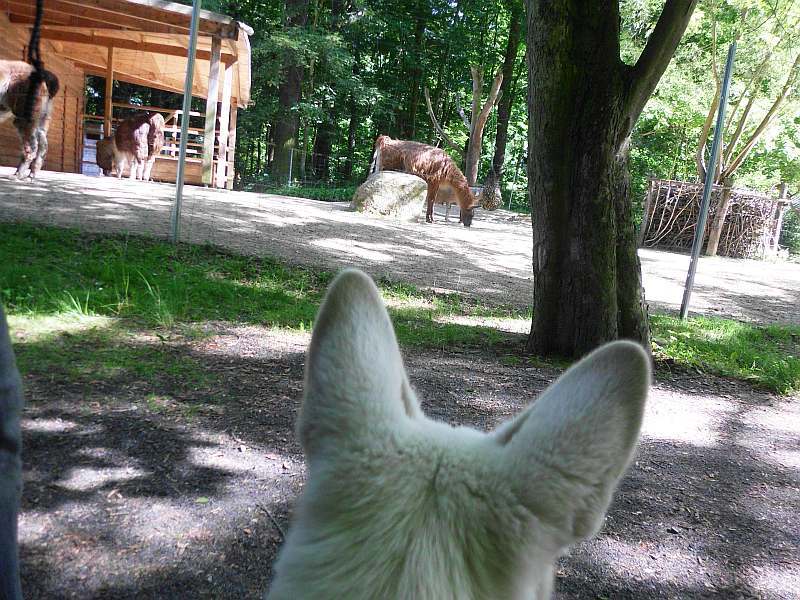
(168, 13)
(105, 17)
(109, 108)
(22, 12)
(211, 111)
(126, 44)
(232, 146)
(224, 117)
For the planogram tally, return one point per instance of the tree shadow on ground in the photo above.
(490, 262)
(127, 497)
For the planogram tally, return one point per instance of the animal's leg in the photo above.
(134, 168)
(432, 189)
(29, 148)
(148, 168)
(446, 211)
(120, 163)
(41, 137)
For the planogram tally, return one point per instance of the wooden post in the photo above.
(719, 219)
(648, 202)
(224, 118)
(783, 204)
(109, 108)
(211, 111)
(232, 145)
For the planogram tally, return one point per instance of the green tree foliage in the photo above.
(366, 62)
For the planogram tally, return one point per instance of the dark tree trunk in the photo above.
(352, 129)
(409, 129)
(321, 154)
(507, 91)
(286, 122)
(582, 104)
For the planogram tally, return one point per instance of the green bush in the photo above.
(790, 234)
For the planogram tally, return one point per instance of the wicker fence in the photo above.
(751, 229)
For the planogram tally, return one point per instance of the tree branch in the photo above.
(787, 86)
(461, 112)
(492, 99)
(477, 91)
(438, 127)
(655, 57)
(702, 141)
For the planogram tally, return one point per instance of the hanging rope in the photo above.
(35, 59)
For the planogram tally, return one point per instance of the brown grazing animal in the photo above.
(433, 165)
(138, 140)
(15, 85)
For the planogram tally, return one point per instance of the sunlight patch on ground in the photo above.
(508, 325)
(678, 417)
(246, 460)
(84, 479)
(774, 581)
(408, 303)
(657, 562)
(47, 425)
(34, 328)
(363, 250)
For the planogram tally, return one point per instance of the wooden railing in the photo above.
(172, 133)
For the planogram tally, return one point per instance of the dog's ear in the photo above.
(565, 454)
(356, 389)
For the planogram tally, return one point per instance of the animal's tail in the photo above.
(51, 81)
(375, 166)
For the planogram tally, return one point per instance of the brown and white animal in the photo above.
(15, 87)
(137, 141)
(432, 164)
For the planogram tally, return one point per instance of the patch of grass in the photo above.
(71, 289)
(767, 356)
(88, 351)
(48, 271)
(56, 272)
(343, 193)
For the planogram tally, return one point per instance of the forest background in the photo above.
(328, 76)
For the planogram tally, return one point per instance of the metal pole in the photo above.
(710, 171)
(187, 108)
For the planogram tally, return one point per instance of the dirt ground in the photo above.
(158, 488)
(490, 261)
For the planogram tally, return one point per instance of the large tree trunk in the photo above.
(410, 125)
(582, 105)
(286, 122)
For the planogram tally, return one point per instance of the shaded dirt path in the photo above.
(161, 489)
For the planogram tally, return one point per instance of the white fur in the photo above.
(400, 506)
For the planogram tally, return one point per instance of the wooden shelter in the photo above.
(143, 42)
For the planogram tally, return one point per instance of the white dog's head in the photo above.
(400, 506)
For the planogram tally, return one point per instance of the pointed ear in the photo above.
(566, 452)
(355, 385)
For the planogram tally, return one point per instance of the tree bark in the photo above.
(286, 122)
(583, 102)
(506, 91)
(719, 218)
(480, 114)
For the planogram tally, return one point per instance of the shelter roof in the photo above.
(150, 40)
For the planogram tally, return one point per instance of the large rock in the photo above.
(391, 194)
